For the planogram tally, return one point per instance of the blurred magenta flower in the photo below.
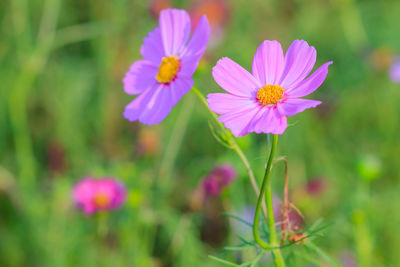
(261, 101)
(94, 195)
(220, 177)
(165, 73)
(316, 186)
(394, 71)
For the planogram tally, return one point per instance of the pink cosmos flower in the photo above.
(93, 195)
(165, 73)
(261, 101)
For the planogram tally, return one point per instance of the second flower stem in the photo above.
(266, 190)
(234, 146)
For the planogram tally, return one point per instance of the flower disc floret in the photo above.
(168, 69)
(101, 200)
(270, 94)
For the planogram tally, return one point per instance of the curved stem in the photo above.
(235, 148)
(266, 189)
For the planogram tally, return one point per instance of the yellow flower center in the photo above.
(269, 94)
(168, 69)
(101, 200)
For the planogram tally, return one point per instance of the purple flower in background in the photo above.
(93, 195)
(165, 73)
(394, 72)
(316, 186)
(220, 177)
(246, 214)
(348, 258)
(261, 101)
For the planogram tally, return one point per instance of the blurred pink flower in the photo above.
(316, 186)
(94, 195)
(394, 72)
(261, 101)
(220, 177)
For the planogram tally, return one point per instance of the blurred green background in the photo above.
(61, 104)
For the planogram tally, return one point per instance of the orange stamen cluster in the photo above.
(101, 200)
(168, 69)
(269, 94)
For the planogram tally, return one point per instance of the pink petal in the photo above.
(310, 84)
(292, 106)
(198, 42)
(140, 77)
(239, 120)
(188, 66)
(223, 103)
(196, 47)
(299, 61)
(179, 88)
(152, 48)
(158, 106)
(134, 109)
(268, 62)
(175, 30)
(269, 120)
(235, 79)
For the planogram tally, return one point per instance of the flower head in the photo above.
(220, 177)
(394, 72)
(93, 195)
(261, 101)
(164, 74)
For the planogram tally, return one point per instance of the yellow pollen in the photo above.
(269, 94)
(101, 200)
(168, 69)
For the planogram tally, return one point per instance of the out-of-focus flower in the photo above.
(217, 13)
(369, 167)
(156, 6)
(56, 157)
(394, 71)
(94, 195)
(220, 177)
(348, 259)
(261, 101)
(316, 186)
(381, 58)
(148, 142)
(165, 73)
(246, 214)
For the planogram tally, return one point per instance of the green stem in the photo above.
(234, 146)
(266, 189)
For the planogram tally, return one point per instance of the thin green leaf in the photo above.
(247, 242)
(238, 218)
(223, 261)
(322, 253)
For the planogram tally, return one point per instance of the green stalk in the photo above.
(234, 146)
(266, 189)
